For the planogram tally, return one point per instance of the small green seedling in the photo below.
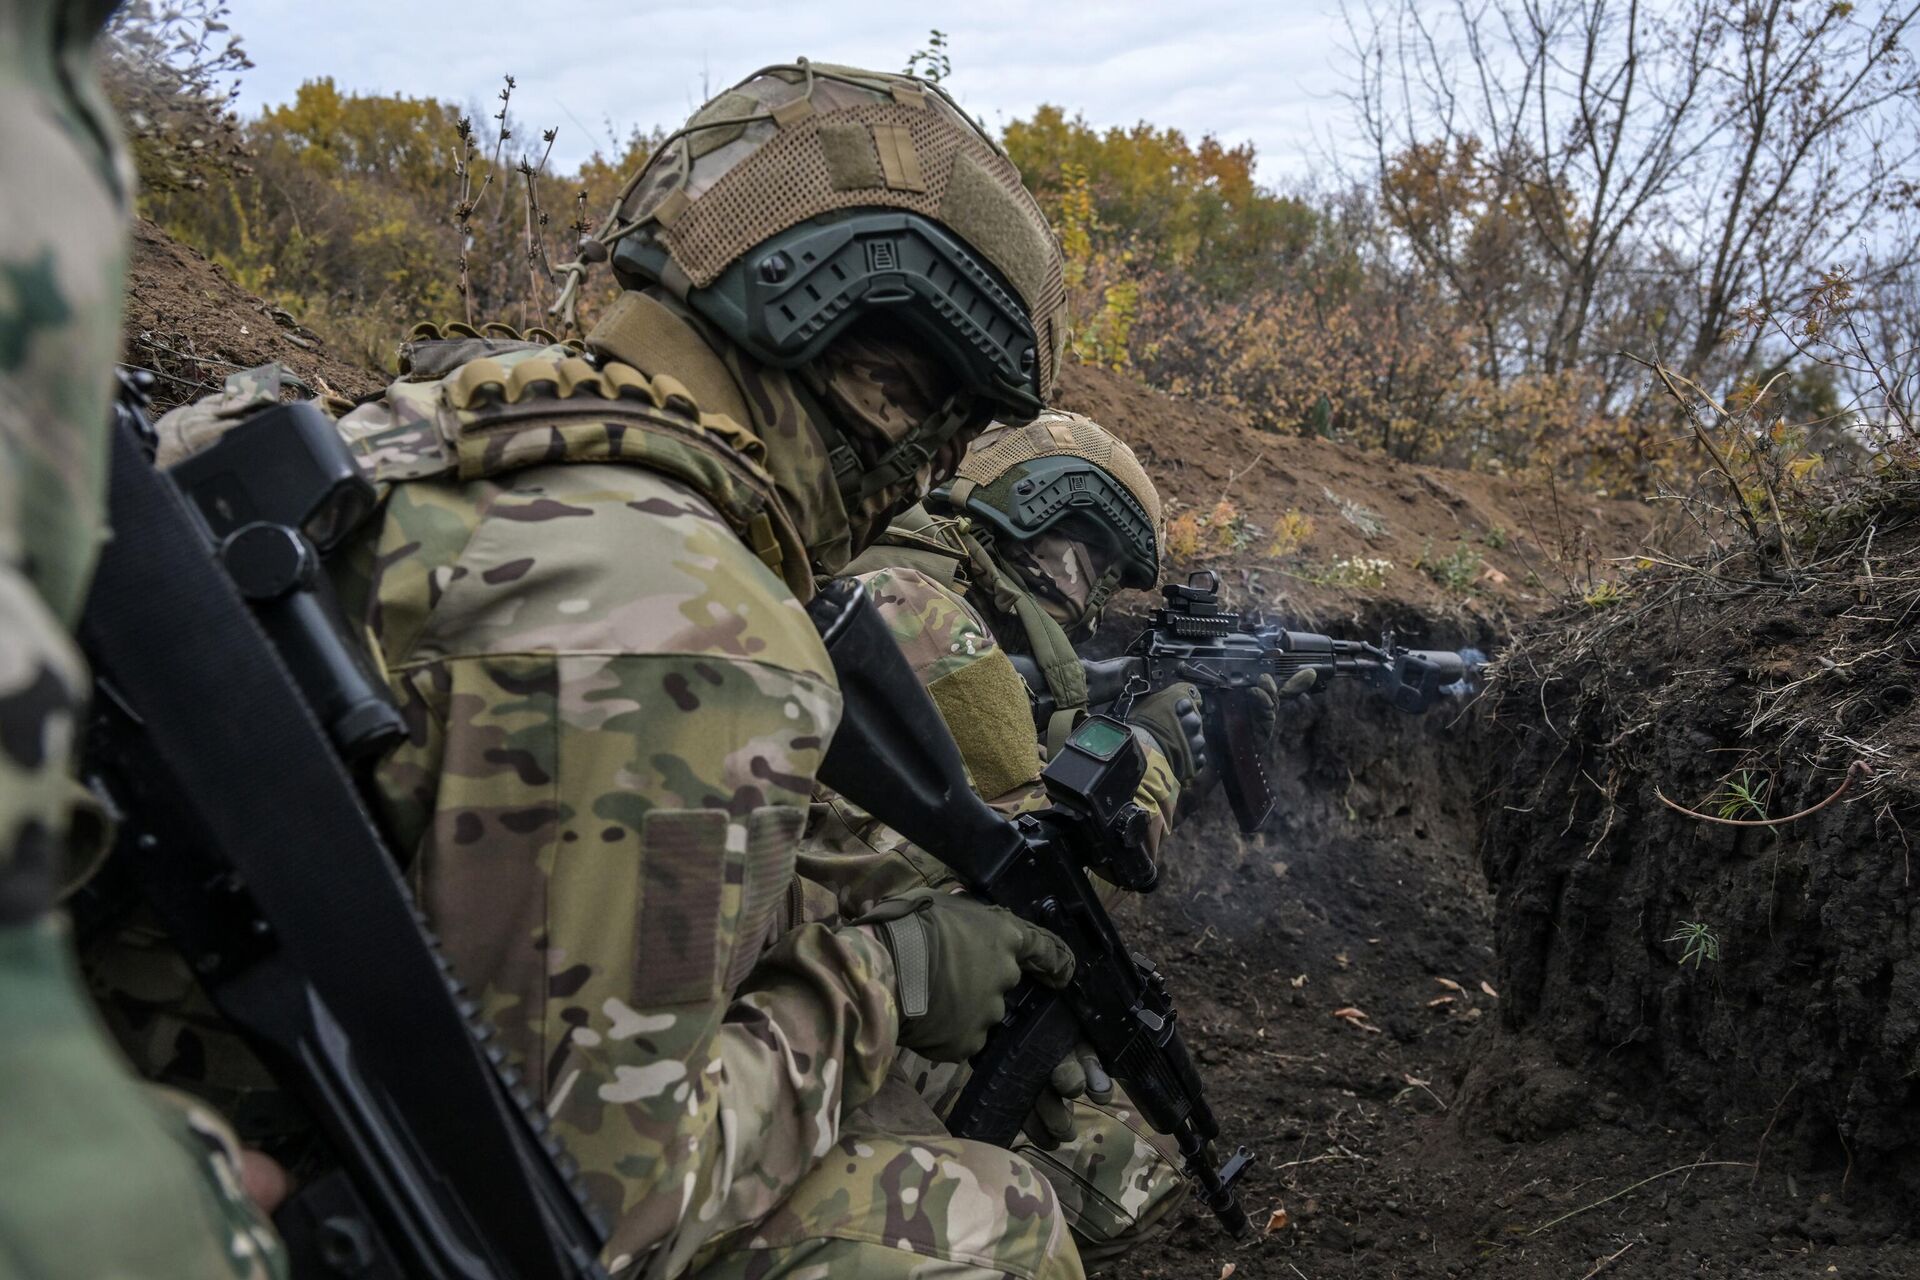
(1701, 944)
(1742, 798)
(1603, 595)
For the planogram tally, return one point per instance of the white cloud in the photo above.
(1262, 71)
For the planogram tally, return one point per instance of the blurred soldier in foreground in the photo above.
(98, 1174)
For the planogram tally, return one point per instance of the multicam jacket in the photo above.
(616, 708)
(917, 576)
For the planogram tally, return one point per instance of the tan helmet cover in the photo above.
(1057, 433)
(792, 142)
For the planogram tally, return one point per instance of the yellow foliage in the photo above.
(1290, 534)
(347, 216)
(1195, 205)
(1183, 536)
(1223, 522)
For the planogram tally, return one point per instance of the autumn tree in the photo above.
(1194, 206)
(352, 216)
(1586, 175)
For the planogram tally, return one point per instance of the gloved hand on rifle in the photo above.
(955, 959)
(1172, 716)
(1269, 694)
(1175, 717)
(1079, 1075)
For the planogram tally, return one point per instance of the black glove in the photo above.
(1172, 716)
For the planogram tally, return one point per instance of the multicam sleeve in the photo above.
(42, 695)
(973, 684)
(94, 1178)
(611, 759)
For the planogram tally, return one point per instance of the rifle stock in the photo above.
(1107, 679)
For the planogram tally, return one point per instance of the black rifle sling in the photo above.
(166, 626)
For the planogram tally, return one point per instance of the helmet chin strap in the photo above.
(919, 446)
(858, 482)
(1097, 598)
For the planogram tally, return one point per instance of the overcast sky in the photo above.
(1265, 71)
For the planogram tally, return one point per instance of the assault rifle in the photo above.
(893, 757)
(230, 702)
(1193, 637)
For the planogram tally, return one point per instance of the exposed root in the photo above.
(1859, 768)
(1632, 1187)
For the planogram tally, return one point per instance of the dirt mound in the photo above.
(190, 324)
(1331, 536)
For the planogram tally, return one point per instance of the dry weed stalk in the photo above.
(536, 241)
(469, 200)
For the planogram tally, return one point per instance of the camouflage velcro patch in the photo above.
(773, 833)
(681, 896)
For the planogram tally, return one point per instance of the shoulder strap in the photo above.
(639, 330)
(1052, 651)
(333, 969)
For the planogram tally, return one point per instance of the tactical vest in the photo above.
(471, 408)
(946, 550)
(471, 405)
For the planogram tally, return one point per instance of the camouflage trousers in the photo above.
(898, 1197)
(1118, 1182)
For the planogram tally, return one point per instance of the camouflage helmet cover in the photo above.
(809, 194)
(1024, 481)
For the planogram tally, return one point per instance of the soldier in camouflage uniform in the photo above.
(585, 584)
(937, 582)
(98, 1175)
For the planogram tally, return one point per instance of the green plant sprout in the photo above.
(1701, 944)
(1456, 572)
(1742, 797)
(1603, 595)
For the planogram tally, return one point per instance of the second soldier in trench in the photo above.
(1020, 553)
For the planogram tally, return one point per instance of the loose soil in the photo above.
(1509, 545)
(1457, 1121)
(190, 324)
